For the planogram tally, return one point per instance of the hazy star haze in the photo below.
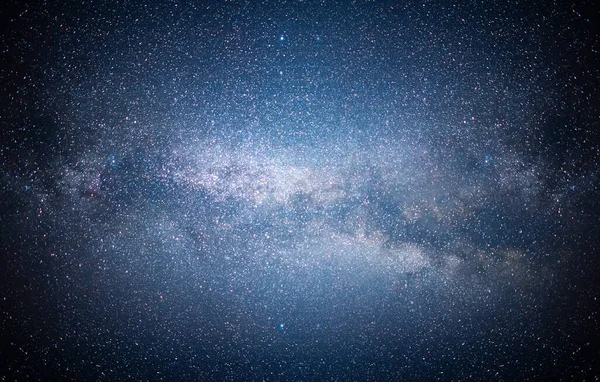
(280, 190)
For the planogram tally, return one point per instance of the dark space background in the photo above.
(299, 190)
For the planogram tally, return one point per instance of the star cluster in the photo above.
(300, 190)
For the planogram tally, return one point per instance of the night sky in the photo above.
(299, 190)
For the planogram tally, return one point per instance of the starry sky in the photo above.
(299, 190)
